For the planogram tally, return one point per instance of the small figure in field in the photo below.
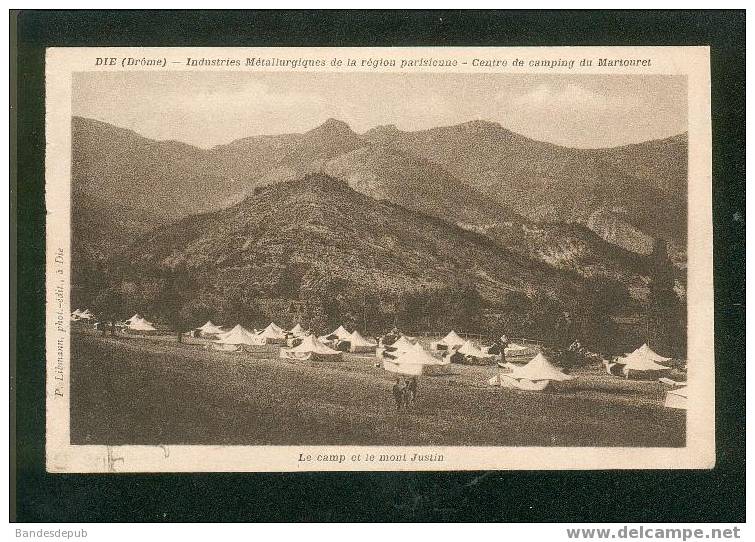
(504, 345)
(398, 393)
(412, 388)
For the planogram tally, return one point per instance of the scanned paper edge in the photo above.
(699, 453)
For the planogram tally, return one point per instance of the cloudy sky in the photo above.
(211, 108)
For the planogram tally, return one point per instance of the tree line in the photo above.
(183, 299)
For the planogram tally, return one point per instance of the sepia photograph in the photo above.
(437, 266)
(378, 259)
(429, 262)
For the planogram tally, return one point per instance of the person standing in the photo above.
(504, 345)
(413, 387)
(399, 393)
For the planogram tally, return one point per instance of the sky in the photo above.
(210, 108)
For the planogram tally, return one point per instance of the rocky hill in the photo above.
(644, 184)
(319, 228)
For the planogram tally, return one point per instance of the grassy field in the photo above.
(134, 390)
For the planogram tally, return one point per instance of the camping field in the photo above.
(152, 390)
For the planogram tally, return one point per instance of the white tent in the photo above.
(210, 329)
(469, 349)
(394, 350)
(297, 330)
(311, 349)
(136, 316)
(340, 332)
(676, 398)
(360, 344)
(239, 335)
(272, 334)
(416, 361)
(449, 341)
(645, 352)
(402, 344)
(86, 315)
(275, 327)
(140, 324)
(535, 375)
(642, 360)
(75, 315)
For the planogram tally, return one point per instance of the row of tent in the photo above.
(405, 356)
(274, 334)
(135, 323)
(539, 373)
(356, 342)
(453, 342)
(239, 336)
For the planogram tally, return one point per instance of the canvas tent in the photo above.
(469, 349)
(237, 337)
(275, 327)
(297, 330)
(340, 333)
(646, 352)
(535, 375)
(402, 344)
(85, 315)
(360, 344)
(642, 363)
(210, 329)
(140, 324)
(311, 348)
(447, 342)
(75, 315)
(272, 334)
(676, 398)
(416, 361)
(393, 351)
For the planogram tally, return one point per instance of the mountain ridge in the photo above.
(171, 181)
(321, 224)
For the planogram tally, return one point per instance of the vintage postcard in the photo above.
(311, 259)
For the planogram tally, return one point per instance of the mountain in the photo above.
(576, 249)
(642, 185)
(249, 158)
(299, 155)
(318, 227)
(101, 228)
(661, 162)
(153, 183)
(475, 173)
(167, 178)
